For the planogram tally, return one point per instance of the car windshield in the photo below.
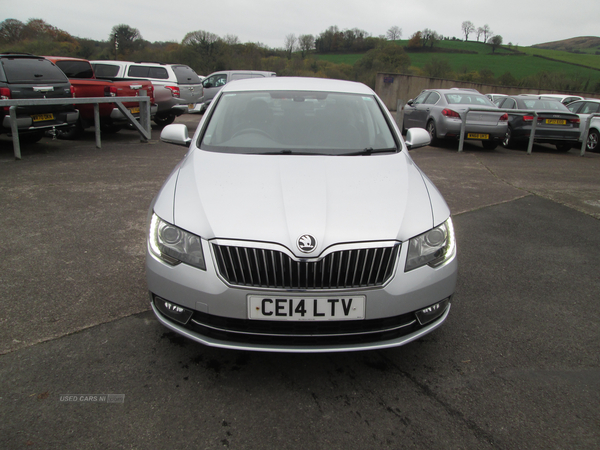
(468, 99)
(297, 122)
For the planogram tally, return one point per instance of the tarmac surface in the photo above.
(515, 366)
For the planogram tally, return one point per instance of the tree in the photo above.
(438, 68)
(290, 44)
(429, 37)
(486, 32)
(124, 39)
(306, 42)
(496, 41)
(478, 33)
(11, 30)
(467, 28)
(394, 33)
(415, 40)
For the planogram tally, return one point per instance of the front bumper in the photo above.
(219, 312)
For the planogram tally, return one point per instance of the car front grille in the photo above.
(266, 268)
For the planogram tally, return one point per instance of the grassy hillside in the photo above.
(520, 62)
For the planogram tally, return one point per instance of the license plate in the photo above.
(556, 121)
(191, 106)
(477, 136)
(306, 308)
(134, 110)
(42, 117)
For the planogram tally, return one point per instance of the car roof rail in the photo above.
(151, 62)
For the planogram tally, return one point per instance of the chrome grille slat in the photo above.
(344, 269)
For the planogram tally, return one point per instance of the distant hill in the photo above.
(577, 44)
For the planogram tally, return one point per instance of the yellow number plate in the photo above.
(42, 117)
(556, 121)
(134, 110)
(477, 136)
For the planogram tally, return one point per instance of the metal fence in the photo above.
(533, 126)
(142, 126)
(400, 118)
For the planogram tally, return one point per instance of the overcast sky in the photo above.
(268, 21)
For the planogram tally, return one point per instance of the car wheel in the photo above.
(432, 132)
(163, 121)
(508, 141)
(489, 145)
(564, 146)
(592, 141)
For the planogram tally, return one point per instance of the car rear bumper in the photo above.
(26, 123)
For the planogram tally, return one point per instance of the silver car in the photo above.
(297, 222)
(440, 112)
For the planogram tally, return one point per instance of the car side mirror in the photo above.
(417, 137)
(177, 134)
(410, 102)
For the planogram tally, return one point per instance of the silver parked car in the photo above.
(584, 109)
(440, 112)
(215, 81)
(298, 222)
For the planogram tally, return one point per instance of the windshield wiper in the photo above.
(370, 151)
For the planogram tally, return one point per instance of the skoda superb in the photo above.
(298, 222)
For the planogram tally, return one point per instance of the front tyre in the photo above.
(564, 146)
(431, 129)
(163, 121)
(592, 141)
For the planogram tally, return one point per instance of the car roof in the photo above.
(297, 84)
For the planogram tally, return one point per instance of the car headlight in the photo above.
(174, 245)
(433, 248)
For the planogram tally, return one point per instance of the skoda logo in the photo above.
(306, 243)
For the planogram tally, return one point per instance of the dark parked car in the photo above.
(555, 123)
(25, 76)
(440, 112)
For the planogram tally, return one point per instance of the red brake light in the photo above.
(575, 120)
(528, 118)
(72, 92)
(449, 113)
(174, 90)
(110, 91)
(5, 95)
(503, 117)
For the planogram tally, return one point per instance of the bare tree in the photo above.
(486, 32)
(306, 42)
(467, 28)
(394, 33)
(478, 33)
(231, 39)
(290, 44)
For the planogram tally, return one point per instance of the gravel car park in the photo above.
(439, 112)
(298, 222)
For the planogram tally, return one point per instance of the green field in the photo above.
(501, 61)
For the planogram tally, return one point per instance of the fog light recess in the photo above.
(432, 312)
(173, 311)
